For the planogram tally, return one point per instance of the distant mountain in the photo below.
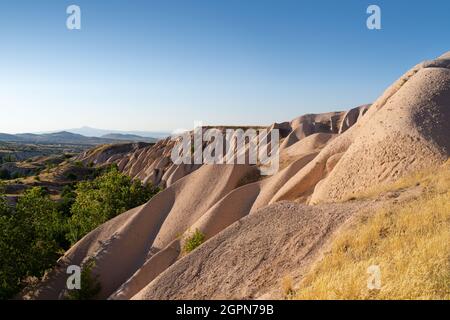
(9, 137)
(128, 137)
(65, 137)
(94, 132)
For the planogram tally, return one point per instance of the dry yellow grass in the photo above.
(426, 178)
(409, 241)
(286, 287)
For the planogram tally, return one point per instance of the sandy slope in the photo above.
(122, 245)
(251, 256)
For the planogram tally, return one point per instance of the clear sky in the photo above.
(161, 65)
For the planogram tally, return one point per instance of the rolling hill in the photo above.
(65, 137)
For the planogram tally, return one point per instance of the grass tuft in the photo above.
(195, 240)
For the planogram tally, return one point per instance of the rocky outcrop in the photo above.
(405, 130)
(110, 153)
(152, 163)
(331, 123)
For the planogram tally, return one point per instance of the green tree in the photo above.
(4, 174)
(72, 176)
(102, 199)
(90, 286)
(29, 239)
(9, 158)
(68, 196)
(35, 233)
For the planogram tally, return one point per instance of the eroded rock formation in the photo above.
(325, 158)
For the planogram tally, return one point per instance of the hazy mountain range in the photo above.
(94, 132)
(67, 137)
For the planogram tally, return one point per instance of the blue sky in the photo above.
(161, 65)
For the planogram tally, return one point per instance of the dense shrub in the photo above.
(38, 230)
(78, 163)
(195, 240)
(4, 174)
(90, 286)
(68, 196)
(102, 199)
(72, 176)
(8, 158)
(29, 239)
(16, 175)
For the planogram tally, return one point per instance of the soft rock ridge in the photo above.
(407, 133)
(405, 130)
(250, 257)
(151, 163)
